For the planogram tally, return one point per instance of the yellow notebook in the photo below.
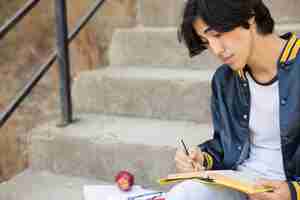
(228, 178)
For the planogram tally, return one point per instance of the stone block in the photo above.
(44, 185)
(99, 146)
(157, 13)
(145, 92)
(156, 47)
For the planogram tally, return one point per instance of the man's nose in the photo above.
(216, 47)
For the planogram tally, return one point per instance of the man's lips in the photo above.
(228, 59)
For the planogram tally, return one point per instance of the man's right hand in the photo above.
(191, 163)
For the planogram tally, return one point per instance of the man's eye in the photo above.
(217, 35)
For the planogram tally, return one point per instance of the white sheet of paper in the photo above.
(111, 192)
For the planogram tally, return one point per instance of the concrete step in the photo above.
(145, 92)
(99, 146)
(157, 13)
(160, 47)
(30, 185)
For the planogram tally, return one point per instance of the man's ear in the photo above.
(251, 21)
(252, 24)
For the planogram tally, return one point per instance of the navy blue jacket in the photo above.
(230, 106)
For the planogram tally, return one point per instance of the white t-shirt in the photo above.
(265, 157)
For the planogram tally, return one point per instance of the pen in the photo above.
(186, 151)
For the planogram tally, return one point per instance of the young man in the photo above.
(255, 100)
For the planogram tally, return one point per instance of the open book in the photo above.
(228, 178)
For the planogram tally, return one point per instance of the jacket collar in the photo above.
(290, 51)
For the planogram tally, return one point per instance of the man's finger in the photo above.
(196, 155)
(262, 196)
(198, 167)
(194, 151)
(183, 160)
(184, 164)
(182, 155)
(183, 169)
(268, 183)
(252, 197)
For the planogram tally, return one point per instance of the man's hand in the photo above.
(281, 191)
(191, 163)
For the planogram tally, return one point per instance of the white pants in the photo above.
(193, 190)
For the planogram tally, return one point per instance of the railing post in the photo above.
(63, 60)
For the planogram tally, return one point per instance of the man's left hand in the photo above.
(280, 191)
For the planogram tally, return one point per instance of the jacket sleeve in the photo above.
(294, 189)
(294, 185)
(213, 149)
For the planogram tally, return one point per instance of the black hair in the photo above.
(222, 16)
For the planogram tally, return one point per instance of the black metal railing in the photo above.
(18, 16)
(61, 55)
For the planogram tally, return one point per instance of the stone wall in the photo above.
(24, 49)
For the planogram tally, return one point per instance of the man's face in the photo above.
(232, 48)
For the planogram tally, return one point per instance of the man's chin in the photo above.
(233, 67)
(236, 67)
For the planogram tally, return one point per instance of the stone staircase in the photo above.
(132, 113)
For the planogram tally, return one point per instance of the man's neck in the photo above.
(265, 54)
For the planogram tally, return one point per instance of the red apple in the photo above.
(124, 180)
